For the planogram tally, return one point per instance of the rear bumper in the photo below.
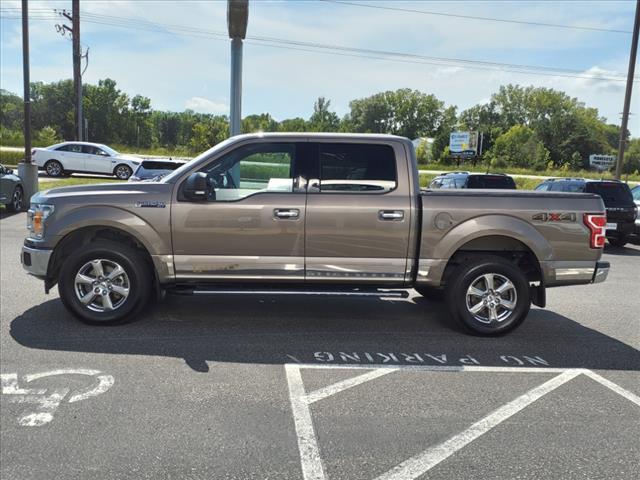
(560, 273)
(35, 260)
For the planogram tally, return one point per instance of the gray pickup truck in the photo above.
(311, 214)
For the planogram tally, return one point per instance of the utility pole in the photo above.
(237, 19)
(27, 171)
(74, 31)
(627, 93)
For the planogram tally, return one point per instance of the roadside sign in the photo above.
(602, 162)
(463, 143)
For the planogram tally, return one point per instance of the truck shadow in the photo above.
(276, 330)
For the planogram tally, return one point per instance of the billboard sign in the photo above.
(601, 162)
(463, 143)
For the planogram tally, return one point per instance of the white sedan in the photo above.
(83, 157)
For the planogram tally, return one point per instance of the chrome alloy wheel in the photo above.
(16, 200)
(491, 298)
(102, 285)
(123, 172)
(54, 169)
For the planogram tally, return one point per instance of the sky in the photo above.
(181, 60)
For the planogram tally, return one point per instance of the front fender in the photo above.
(156, 241)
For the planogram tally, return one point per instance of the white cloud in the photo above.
(204, 105)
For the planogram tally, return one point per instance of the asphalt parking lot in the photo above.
(272, 387)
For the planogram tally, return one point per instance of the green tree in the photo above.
(259, 123)
(405, 112)
(208, 132)
(323, 119)
(632, 157)
(520, 147)
(293, 125)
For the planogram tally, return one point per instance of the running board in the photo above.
(278, 292)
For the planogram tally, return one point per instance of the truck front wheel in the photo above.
(488, 296)
(105, 283)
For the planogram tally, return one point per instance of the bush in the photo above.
(10, 157)
(11, 138)
(47, 136)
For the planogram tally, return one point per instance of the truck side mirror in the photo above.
(196, 187)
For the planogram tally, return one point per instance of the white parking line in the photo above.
(425, 461)
(348, 383)
(614, 386)
(310, 458)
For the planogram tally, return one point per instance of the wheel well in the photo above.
(83, 236)
(506, 247)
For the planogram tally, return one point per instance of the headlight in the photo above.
(36, 217)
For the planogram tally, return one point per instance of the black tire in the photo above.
(122, 171)
(138, 275)
(15, 205)
(472, 273)
(619, 242)
(54, 168)
(431, 293)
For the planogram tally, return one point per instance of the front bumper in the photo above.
(35, 260)
(601, 273)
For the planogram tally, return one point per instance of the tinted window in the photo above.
(256, 168)
(556, 187)
(612, 193)
(151, 169)
(71, 147)
(491, 181)
(91, 150)
(357, 168)
(574, 187)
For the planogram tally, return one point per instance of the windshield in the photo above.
(109, 150)
(187, 166)
(611, 193)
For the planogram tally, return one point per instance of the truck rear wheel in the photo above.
(105, 283)
(488, 296)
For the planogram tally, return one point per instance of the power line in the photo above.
(142, 24)
(473, 17)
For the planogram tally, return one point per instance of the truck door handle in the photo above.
(286, 213)
(391, 215)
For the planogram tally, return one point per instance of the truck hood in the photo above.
(103, 193)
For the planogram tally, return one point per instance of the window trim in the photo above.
(180, 197)
(317, 169)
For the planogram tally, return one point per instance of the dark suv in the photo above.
(621, 210)
(473, 180)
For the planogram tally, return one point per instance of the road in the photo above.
(219, 388)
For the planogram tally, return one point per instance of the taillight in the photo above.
(596, 222)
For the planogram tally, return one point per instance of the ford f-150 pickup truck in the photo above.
(314, 214)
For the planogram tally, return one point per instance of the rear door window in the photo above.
(612, 193)
(356, 168)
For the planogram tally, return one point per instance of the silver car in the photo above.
(11, 189)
